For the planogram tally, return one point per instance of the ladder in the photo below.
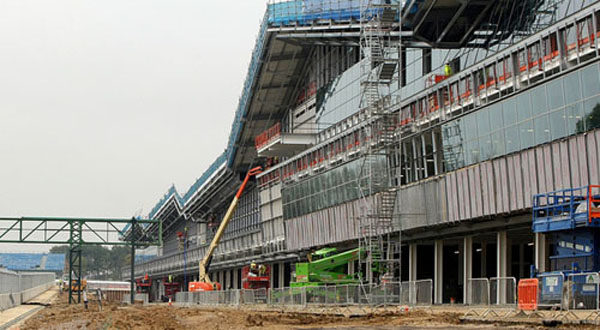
(378, 70)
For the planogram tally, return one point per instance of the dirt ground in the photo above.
(60, 315)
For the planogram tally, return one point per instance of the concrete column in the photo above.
(351, 268)
(412, 262)
(501, 265)
(438, 271)
(271, 276)
(235, 279)
(540, 252)
(281, 274)
(467, 267)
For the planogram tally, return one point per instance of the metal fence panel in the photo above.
(582, 291)
(478, 291)
(503, 291)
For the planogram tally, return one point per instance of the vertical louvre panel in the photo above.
(532, 172)
(474, 193)
(491, 187)
(557, 167)
(526, 180)
(462, 194)
(484, 189)
(548, 164)
(452, 194)
(510, 162)
(467, 195)
(477, 191)
(583, 170)
(519, 186)
(451, 204)
(592, 152)
(504, 185)
(443, 189)
(541, 170)
(574, 160)
(565, 166)
(497, 183)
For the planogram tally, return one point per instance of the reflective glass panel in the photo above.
(590, 80)
(572, 88)
(523, 107)
(512, 139)
(538, 100)
(526, 134)
(509, 111)
(541, 129)
(558, 124)
(555, 94)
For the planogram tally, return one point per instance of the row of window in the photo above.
(564, 106)
(338, 185)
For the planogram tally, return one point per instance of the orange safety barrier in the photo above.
(528, 294)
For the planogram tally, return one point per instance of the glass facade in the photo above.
(336, 186)
(561, 107)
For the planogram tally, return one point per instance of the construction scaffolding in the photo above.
(380, 57)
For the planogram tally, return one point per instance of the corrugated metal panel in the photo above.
(463, 194)
(557, 167)
(574, 159)
(519, 182)
(455, 199)
(583, 162)
(449, 194)
(592, 153)
(474, 193)
(467, 195)
(532, 173)
(484, 189)
(498, 185)
(505, 187)
(489, 169)
(548, 163)
(443, 199)
(541, 169)
(565, 164)
(478, 196)
(510, 163)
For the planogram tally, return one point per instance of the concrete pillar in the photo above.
(501, 265)
(467, 267)
(351, 268)
(540, 252)
(235, 279)
(271, 276)
(412, 262)
(438, 271)
(281, 274)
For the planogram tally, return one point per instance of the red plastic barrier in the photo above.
(528, 294)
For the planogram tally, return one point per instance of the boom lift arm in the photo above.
(205, 263)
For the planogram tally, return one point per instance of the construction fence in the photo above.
(554, 291)
(17, 288)
(414, 293)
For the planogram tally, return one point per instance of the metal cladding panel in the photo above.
(557, 167)
(519, 181)
(526, 180)
(592, 153)
(475, 192)
(501, 192)
(532, 173)
(574, 159)
(460, 195)
(443, 199)
(413, 213)
(454, 194)
(451, 204)
(565, 164)
(484, 190)
(583, 162)
(512, 186)
(489, 169)
(548, 164)
(466, 200)
(541, 169)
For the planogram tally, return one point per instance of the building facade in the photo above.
(519, 114)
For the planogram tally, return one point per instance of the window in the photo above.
(523, 107)
(572, 88)
(555, 94)
(509, 111)
(558, 124)
(541, 129)
(538, 100)
(512, 139)
(526, 134)
(483, 121)
(591, 81)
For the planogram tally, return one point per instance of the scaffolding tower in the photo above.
(380, 61)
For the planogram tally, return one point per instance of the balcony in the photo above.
(276, 143)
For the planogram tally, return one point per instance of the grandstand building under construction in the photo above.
(432, 122)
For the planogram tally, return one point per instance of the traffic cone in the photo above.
(170, 303)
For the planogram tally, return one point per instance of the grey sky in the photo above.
(104, 104)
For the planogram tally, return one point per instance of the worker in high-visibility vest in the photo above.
(447, 70)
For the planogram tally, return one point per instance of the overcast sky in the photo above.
(105, 104)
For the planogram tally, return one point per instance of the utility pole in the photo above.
(132, 268)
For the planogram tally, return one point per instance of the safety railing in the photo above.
(503, 291)
(416, 293)
(550, 291)
(478, 291)
(582, 291)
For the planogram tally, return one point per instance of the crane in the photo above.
(204, 283)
